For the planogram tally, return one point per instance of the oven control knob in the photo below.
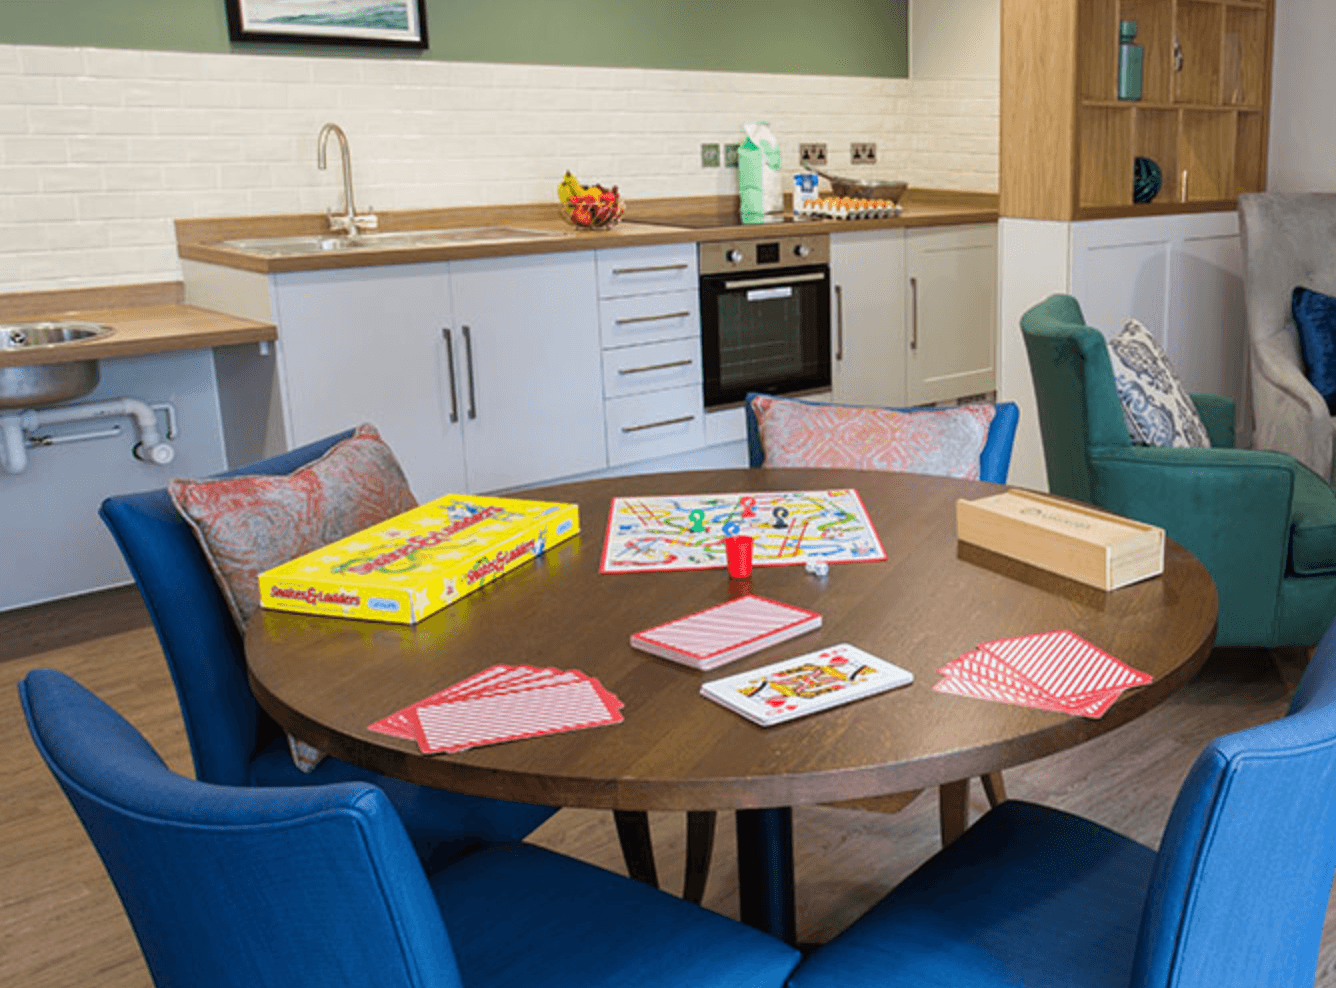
(802, 250)
(733, 257)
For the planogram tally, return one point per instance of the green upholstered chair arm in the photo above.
(1228, 507)
(1217, 414)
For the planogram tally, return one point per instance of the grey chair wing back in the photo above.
(1289, 239)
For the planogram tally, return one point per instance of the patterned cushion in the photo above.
(249, 524)
(1158, 409)
(946, 442)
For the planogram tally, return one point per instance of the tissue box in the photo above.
(416, 563)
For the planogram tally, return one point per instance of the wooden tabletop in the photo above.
(325, 679)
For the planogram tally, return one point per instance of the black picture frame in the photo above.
(261, 20)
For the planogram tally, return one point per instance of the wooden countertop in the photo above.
(145, 319)
(200, 239)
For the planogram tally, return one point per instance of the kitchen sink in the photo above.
(47, 384)
(447, 237)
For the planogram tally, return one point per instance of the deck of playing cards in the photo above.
(503, 703)
(721, 634)
(805, 684)
(1053, 670)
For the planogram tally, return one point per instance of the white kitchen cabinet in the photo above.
(951, 311)
(368, 345)
(529, 376)
(649, 314)
(867, 275)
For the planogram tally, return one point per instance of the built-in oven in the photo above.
(765, 316)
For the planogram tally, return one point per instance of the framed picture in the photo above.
(401, 23)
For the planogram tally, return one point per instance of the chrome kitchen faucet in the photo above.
(350, 221)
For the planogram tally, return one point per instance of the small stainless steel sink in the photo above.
(447, 237)
(33, 385)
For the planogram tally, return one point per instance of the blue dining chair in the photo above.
(318, 886)
(232, 740)
(993, 464)
(1235, 897)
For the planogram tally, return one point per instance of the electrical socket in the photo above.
(862, 154)
(709, 155)
(731, 155)
(812, 155)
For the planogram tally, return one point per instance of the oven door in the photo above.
(765, 331)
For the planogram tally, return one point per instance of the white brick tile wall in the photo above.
(101, 149)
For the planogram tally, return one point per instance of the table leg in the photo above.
(765, 871)
(637, 848)
(954, 809)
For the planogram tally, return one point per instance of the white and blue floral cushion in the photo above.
(1158, 409)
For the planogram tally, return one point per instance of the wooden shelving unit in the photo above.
(1068, 143)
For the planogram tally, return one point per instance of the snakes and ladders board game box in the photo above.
(416, 563)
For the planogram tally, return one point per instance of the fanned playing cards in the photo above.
(503, 703)
(718, 635)
(1052, 670)
(806, 684)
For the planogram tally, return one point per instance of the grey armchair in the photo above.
(1289, 239)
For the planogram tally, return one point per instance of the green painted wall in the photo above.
(834, 37)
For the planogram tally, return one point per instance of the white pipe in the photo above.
(150, 448)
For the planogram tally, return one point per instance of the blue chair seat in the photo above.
(1028, 896)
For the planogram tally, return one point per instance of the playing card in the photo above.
(725, 632)
(986, 690)
(806, 684)
(1064, 664)
(492, 718)
(983, 667)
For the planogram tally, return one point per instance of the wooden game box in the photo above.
(412, 565)
(1076, 541)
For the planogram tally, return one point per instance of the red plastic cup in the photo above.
(739, 550)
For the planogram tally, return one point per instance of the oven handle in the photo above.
(792, 279)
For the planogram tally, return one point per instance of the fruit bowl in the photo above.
(592, 207)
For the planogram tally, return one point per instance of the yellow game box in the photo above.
(416, 563)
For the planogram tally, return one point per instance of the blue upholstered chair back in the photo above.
(994, 461)
(1240, 887)
(314, 886)
(225, 725)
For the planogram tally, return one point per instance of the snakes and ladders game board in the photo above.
(648, 534)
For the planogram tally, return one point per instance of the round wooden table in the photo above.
(325, 679)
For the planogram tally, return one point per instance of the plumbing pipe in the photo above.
(150, 448)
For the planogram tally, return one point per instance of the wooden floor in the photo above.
(61, 925)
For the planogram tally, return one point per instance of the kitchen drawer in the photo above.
(649, 318)
(654, 367)
(660, 423)
(641, 270)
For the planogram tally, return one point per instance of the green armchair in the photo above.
(1263, 524)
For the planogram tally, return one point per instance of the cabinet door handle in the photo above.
(653, 367)
(913, 313)
(667, 315)
(655, 425)
(651, 269)
(468, 356)
(450, 365)
(839, 322)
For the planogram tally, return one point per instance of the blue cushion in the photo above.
(1315, 315)
(514, 925)
(1028, 896)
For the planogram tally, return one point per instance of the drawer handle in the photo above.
(655, 425)
(651, 269)
(653, 367)
(667, 315)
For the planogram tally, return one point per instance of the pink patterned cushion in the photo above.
(946, 442)
(249, 524)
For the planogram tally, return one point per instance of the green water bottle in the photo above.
(1129, 62)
